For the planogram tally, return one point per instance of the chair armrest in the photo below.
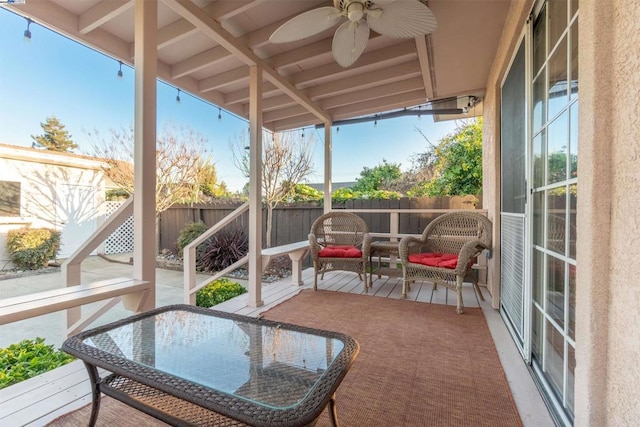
(469, 250)
(404, 246)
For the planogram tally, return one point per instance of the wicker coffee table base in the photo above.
(163, 406)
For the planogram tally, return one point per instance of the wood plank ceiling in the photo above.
(205, 48)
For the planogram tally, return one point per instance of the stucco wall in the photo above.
(608, 282)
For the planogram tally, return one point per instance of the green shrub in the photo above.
(341, 195)
(27, 359)
(32, 248)
(305, 193)
(222, 249)
(116, 194)
(190, 233)
(219, 291)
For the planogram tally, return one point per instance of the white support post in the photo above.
(394, 227)
(255, 186)
(146, 53)
(327, 167)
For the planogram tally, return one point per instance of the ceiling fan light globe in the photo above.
(355, 11)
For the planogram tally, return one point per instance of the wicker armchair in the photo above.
(339, 241)
(445, 251)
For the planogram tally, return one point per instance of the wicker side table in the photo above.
(387, 249)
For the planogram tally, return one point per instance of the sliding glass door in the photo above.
(539, 176)
(554, 194)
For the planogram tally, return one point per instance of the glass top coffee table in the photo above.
(187, 365)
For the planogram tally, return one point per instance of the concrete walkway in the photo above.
(169, 290)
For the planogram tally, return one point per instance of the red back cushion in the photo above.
(435, 260)
(340, 252)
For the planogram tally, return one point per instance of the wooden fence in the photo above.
(292, 222)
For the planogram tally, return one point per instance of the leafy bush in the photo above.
(27, 359)
(305, 193)
(190, 233)
(116, 194)
(32, 248)
(219, 291)
(341, 195)
(222, 249)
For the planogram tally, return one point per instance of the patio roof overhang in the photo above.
(207, 47)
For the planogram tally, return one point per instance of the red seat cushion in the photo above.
(435, 260)
(340, 252)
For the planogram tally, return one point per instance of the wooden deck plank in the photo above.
(26, 387)
(342, 281)
(47, 396)
(382, 287)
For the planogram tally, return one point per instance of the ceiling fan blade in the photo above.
(306, 24)
(403, 19)
(381, 2)
(349, 42)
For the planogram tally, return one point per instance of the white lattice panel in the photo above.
(121, 240)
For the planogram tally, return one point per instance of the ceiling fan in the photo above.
(395, 18)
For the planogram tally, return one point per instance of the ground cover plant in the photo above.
(27, 359)
(219, 291)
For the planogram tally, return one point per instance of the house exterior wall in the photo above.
(608, 281)
(607, 383)
(41, 176)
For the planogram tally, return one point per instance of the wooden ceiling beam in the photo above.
(102, 13)
(175, 32)
(219, 10)
(67, 24)
(365, 80)
(292, 122)
(284, 113)
(360, 98)
(403, 86)
(224, 10)
(368, 59)
(425, 64)
(385, 103)
(214, 30)
(199, 61)
(283, 101)
(222, 79)
(182, 28)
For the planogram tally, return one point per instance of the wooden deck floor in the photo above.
(37, 401)
(386, 287)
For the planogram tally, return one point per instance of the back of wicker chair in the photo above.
(339, 230)
(465, 234)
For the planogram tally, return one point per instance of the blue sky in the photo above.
(54, 76)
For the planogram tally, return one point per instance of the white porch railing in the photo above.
(189, 256)
(133, 293)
